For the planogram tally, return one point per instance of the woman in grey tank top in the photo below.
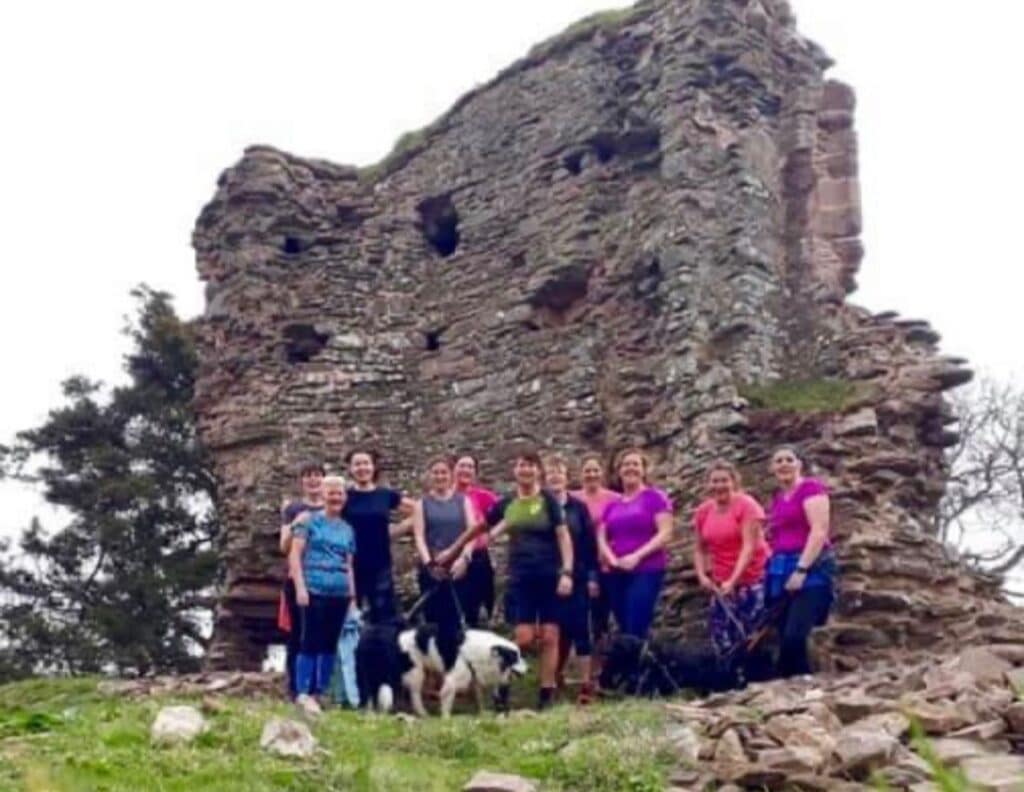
(440, 519)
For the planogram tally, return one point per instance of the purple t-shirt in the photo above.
(630, 525)
(787, 520)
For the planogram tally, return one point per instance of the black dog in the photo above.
(380, 665)
(642, 668)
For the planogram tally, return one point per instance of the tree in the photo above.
(125, 584)
(982, 513)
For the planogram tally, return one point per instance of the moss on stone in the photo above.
(806, 396)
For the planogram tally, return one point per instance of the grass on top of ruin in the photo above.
(806, 396)
(66, 735)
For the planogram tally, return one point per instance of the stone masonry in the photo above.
(602, 246)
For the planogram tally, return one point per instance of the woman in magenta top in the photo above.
(801, 572)
(729, 555)
(631, 540)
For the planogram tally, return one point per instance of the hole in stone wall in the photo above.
(293, 245)
(604, 148)
(440, 224)
(574, 163)
(302, 342)
(432, 340)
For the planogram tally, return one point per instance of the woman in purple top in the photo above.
(800, 574)
(631, 539)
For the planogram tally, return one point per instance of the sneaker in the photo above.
(310, 706)
(586, 694)
(545, 698)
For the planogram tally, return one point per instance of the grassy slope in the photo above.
(63, 735)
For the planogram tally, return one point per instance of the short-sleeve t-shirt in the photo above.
(482, 500)
(369, 514)
(596, 503)
(293, 509)
(722, 534)
(787, 520)
(629, 525)
(324, 564)
(530, 523)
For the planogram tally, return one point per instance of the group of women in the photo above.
(576, 558)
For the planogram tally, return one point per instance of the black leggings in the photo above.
(806, 609)
(479, 589)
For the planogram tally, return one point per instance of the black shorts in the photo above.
(574, 619)
(532, 599)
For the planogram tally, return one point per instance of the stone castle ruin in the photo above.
(643, 232)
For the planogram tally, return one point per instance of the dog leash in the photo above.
(730, 614)
(645, 651)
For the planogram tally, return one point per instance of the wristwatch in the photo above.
(565, 573)
(803, 570)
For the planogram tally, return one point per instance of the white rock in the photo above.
(287, 738)
(485, 781)
(180, 724)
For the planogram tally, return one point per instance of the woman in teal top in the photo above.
(320, 562)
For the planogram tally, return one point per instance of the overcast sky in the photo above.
(118, 118)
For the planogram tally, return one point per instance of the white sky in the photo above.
(119, 116)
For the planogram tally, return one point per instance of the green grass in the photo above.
(806, 396)
(63, 735)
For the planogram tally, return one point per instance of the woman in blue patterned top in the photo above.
(320, 562)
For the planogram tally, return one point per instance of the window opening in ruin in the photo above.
(574, 163)
(432, 340)
(440, 224)
(303, 342)
(294, 245)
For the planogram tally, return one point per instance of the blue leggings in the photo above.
(633, 597)
(319, 627)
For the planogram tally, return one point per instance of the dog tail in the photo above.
(385, 698)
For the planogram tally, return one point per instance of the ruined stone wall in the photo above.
(600, 247)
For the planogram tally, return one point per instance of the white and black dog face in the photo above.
(471, 659)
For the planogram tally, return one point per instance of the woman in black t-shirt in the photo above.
(368, 510)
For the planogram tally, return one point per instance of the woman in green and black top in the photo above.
(540, 564)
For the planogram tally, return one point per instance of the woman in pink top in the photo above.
(631, 539)
(729, 555)
(479, 586)
(596, 497)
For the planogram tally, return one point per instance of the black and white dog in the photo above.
(650, 668)
(390, 657)
(381, 665)
(470, 659)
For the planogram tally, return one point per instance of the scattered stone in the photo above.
(996, 773)
(177, 724)
(895, 724)
(1015, 716)
(857, 751)
(983, 664)
(935, 717)
(730, 748)
(287, 738)
(486, 781)
(684, 741)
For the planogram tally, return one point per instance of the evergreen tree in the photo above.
(126, 584)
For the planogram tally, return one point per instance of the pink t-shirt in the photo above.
(722, 534)
(787, 520)
(630, 525)
(596, 503)
(482, 500)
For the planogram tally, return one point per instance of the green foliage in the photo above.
(120, 586)
(944, 778)
(93, 742)
(805, 396)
